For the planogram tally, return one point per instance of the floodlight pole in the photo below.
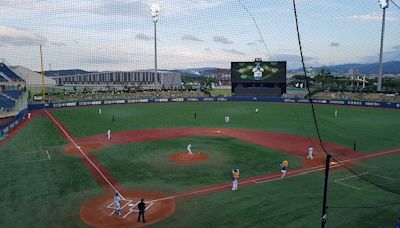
(155, 53)
(155, 11)
(384, 5)
(324, 216)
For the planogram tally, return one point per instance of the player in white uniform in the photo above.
(310, 153)
(109, 134)
(99, 111)
(227, 119)
(29, 115)
(117, 204)
(257, 110)
(189, 149)
(235, 177)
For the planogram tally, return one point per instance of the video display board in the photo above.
(268, 72)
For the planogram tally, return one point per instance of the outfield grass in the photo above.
(374, 129)
(147, 165)
(294, 202)
(45, 193)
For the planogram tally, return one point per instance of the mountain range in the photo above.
(367, 68)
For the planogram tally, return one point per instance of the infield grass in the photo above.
(147, 165)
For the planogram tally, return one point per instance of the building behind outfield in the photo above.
(144, 80)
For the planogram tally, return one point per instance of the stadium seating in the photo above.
(5, 71)
(6, 103)
(2, 79)
(15, 94)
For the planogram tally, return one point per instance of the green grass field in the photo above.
(375, 129)
(49, 193)
(39, 192)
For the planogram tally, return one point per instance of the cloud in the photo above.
(251, 43)
(396, 47)
(145, 37)
(369, 17)
(18, 37)
(334, 44)
(233, 51)
(191, 38)
(222, 39)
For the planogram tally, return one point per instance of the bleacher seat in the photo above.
(5, 102)
(9, 73)
(15, 94)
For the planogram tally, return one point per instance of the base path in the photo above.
(284, 142)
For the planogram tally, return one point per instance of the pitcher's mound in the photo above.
(185, 158)
(99, 212)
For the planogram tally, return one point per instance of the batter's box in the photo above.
(129, 206)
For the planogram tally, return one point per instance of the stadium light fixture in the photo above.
(155, 14)
(384, 4)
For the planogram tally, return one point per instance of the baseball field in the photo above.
(59, 169)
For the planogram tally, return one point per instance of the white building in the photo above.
(120, 79)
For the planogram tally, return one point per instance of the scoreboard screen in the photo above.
(268, 72)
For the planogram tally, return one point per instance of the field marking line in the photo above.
(110, 206)
(48, 155)
(385, 177)
(30, 161)
(352, 176)
(84, 155)
(348, 185)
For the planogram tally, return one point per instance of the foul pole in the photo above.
(41, 64)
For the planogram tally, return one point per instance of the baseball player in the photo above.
(109, 134)
(335, 112)
(227, 119)
(117, 204)
(29, 115)
(235, 177)
(189, 149)
(284, 165)
(99, 111)
(257, 109)
(310, 153)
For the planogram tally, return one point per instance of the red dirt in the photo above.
(185, 158)
(96, 213)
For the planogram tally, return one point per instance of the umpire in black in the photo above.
(141, 207)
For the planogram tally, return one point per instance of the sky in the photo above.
(105, 35)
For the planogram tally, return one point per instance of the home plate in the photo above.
(218, 131)
(131, 204)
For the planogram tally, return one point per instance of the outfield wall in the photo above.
(19, 118)
(213, 99)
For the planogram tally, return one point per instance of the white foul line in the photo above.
(84, 155)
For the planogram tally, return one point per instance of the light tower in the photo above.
(155, 11)
(384, 4)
